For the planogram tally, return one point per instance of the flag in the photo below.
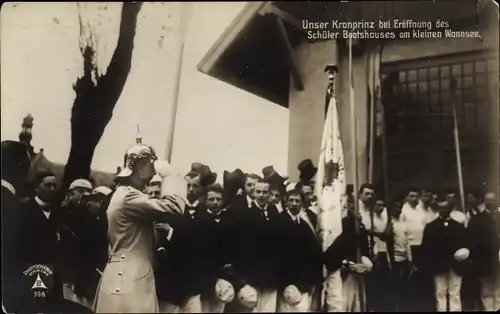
(330, 180)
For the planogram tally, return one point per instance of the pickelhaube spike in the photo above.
(138, 138)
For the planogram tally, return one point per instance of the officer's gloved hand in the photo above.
(162, 168)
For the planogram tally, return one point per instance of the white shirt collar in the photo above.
(43, 204)
(261, 208)
(40, 202)
(216, 214)
(279, 207)
(249, 201)
(9, 187)
(194, 204)
(407, 205)
(313, 208)
(294, 217)
(362, 206)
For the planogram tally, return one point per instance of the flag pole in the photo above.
(371, 85)
(353, 145)
(355, 171)
(453, 89)
(184, 15)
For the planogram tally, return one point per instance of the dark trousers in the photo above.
(470, 293)
(400, 289)
(421, 286)
(378, 285)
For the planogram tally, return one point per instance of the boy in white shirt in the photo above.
(415, 219)
(376, 223)
(400, 256)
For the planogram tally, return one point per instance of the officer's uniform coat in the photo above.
(127, 284)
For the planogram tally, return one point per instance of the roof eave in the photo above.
(229, 35)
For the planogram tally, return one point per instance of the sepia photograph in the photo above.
(238, 157)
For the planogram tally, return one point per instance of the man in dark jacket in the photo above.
(258, 259)
(180, 268)
(445, 256)
(484, 248)
(37, 222)
(15, 166)
(91, 244)
(244, 199)
(343, 255)
(471, 299)
(219, 229)
(300, 257)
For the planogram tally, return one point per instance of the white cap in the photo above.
(292, 295)
(104, 190)
(224, 291)
(248, 297)
(80, 183)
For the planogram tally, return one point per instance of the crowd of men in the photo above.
(251, 245)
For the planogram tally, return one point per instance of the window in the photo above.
(424, 93)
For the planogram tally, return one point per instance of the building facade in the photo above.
(268, 52)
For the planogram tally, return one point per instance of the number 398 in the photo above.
(39, 294)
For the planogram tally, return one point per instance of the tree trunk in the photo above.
(94, 104)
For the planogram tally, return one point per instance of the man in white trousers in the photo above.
(444, 255)
(345, 274)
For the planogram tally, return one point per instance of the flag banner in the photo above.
(330, 180)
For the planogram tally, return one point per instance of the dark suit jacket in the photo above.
(12, 282)
(91, 243)
(257, 258)
(37, 242)
(346, 244)
(239, 203)
(441, 239)
(300, 254)
(484, 245)
(179, 272)
(38, 236)
(219, 236)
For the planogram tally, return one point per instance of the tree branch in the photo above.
(93, 105)
(121, 62)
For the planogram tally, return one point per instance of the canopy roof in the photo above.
(255, 52)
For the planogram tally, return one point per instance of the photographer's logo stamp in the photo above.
(40, 278)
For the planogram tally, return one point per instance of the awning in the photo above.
(255, 53)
